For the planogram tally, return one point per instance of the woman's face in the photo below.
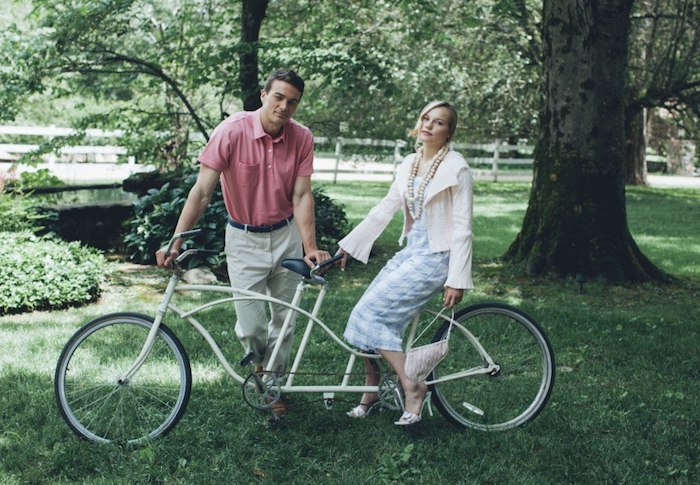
(435, 127)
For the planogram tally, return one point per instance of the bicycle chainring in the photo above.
(260, 393)
(390, 392)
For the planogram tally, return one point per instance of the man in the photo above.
(264, 160)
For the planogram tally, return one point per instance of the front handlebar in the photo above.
(180, 235)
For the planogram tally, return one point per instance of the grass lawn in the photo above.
(624, 407)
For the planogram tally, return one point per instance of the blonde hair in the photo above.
(451, 122)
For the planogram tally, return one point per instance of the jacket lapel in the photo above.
(445, 176)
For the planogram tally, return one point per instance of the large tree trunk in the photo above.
(636, 147)
(576, 221)
(252, 16)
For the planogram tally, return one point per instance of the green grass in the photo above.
(624, 408)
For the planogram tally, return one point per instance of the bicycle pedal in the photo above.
(247, 359)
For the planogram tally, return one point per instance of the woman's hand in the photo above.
(452, 296)
(344, 260)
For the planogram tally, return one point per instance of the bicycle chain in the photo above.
(263, 394)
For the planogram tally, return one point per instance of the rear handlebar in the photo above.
(325, 264)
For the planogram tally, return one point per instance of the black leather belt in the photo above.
(264, 227)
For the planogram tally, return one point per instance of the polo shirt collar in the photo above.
(259, 131)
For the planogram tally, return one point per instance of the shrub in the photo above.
(155, 218)
(19, 213)
(331, 221)
(44, 273)
(40, 178)
(156, 214)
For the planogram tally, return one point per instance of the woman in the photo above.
(434, 189)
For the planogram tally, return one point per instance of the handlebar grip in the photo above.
(180, 235)
(325, 264)
(187, 233)
(329, 262)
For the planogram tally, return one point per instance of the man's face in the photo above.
(278, 105)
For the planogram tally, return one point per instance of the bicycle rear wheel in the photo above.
(100, 408)
(517, 391)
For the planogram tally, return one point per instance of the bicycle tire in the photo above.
(519, 390)
(99, 408)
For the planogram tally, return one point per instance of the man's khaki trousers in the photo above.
(254, 260)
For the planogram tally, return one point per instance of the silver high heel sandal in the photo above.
(408, 418)
(362, 410)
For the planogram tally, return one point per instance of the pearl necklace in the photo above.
(434, 164)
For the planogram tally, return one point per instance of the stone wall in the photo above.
(100, 225)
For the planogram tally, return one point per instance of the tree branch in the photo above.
(155, 70)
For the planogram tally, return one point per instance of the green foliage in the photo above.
(400, 467)
(155, 70)
(43, 273)
(369, 68)
(19, 213)
(664, 69)
(331, 221)
(156, 215)
(160, 71)
(38, 178)
(155, 218)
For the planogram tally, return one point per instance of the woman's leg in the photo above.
(368, 399)
(371, 379)
(414, 392)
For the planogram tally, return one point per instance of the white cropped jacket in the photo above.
(447, 211)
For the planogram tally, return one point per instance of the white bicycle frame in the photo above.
(288, 386)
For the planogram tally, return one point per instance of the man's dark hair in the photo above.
(286, 75)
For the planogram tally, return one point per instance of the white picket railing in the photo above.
(334, 157)
(71, 162)
(489, 165)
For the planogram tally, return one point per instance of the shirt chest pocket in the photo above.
(246, 175)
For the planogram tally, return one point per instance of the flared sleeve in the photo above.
(358, 243)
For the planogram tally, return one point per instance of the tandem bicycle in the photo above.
(126, 377)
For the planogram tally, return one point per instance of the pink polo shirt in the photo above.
(257, 171)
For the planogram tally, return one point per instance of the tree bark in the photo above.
(576, 221)
(252, 16)
(635, 168)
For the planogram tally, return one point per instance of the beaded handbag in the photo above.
(420, 361)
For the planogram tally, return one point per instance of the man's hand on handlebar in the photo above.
(316, 257)
(164, 261)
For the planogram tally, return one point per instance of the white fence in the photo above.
(70, 162)
(490, 163)
(341, 159)
(336, 159)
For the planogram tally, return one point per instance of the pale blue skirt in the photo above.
(399, 291)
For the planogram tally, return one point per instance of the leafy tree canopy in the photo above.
(162, 70)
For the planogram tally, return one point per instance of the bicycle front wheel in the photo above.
(516, 391)
(98, 404)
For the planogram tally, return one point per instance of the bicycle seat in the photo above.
(299, 266)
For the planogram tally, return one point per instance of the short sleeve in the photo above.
(305, 167)
(216, 153)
